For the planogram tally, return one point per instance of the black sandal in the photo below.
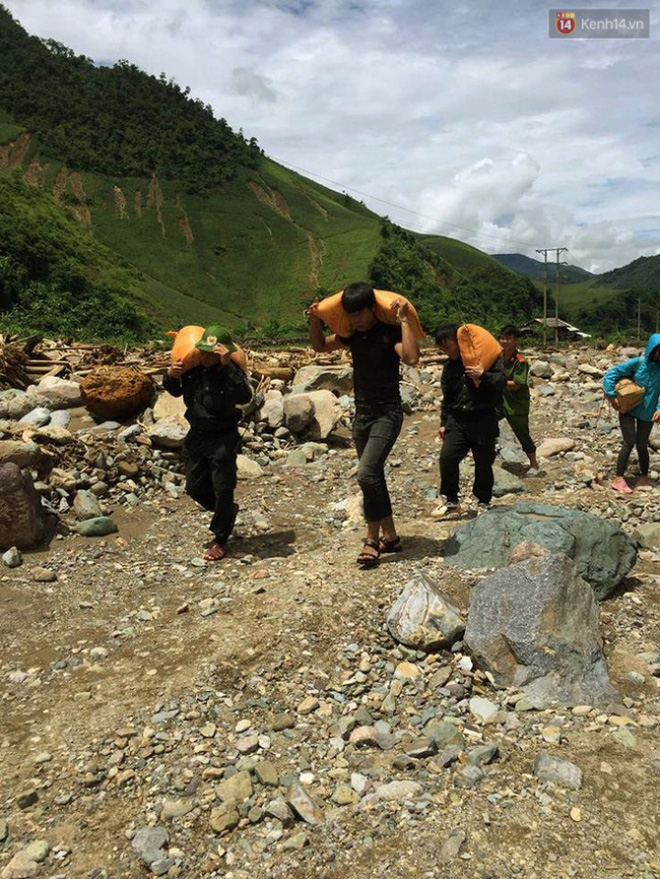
(366, 559)
(393, 545)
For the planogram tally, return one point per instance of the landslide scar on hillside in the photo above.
(13, 153)
(276, 202)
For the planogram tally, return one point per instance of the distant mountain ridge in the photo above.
(534, 268)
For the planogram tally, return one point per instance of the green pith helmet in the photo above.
(215, 335)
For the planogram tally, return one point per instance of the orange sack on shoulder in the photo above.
(184, 348)
(477, 345)
(333, 315)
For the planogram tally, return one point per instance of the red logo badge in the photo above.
(565, 23)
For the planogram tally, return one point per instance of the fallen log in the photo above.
(261, 370)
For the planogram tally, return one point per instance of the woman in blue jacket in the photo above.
(637, 423)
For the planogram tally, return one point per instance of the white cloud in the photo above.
(467, 115)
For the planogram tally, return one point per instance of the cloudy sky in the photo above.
(462, 119)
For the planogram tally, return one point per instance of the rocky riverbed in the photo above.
(164, 716)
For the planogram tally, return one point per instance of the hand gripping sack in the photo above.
(333, 315)
(184, 349)
(628, 394)
(477, 345)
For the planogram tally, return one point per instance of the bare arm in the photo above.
(407, 348)
(320, 342)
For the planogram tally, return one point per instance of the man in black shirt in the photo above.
(211, 392)
(377, 349)
(468, 421)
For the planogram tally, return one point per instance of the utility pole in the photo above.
(558, 251)
(545, 296)
(545, 251)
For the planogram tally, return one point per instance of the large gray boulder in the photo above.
(168, 434)
(324, 378)
(423, 618)
(272, 410)
(314, 414)
(535, 625)
(602, 552)
(298, 412)
(21, 513)
(59, 393)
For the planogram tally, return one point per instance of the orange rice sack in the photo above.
(477, 345)
(184, 348)
(333, 315)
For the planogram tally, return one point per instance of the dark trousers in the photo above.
(375, 433)
(211, 476)
(519, 424)
(476, 434)
(635, 433)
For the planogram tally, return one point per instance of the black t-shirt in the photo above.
(375, 364)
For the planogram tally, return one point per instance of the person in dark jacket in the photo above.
(471, 397)
(212, 392)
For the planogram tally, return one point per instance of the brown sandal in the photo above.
(367, 559)
(215, 553)
(393, 545)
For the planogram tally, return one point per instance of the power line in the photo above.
(401, 207)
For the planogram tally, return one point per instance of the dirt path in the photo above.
(124, 683)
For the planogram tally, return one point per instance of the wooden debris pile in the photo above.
(13, 364)
(27, 361)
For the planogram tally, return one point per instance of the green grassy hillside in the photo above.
(126, 208)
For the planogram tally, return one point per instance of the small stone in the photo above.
(208, 730)
(149, 843)
(27, 798)
(344, 795)
(303, 805)
(469, 777)
(235, 789)
(223, 819)
(551, 735)
(174, 809)
(364, 737)
(576, 814)
(422, 747)
(562, 772)
(283, 721)
(581, 710)
(625, 738)
(13, 558)
(20, 867)
(483, 755)
(309, 704)
(37, 850)
(395, 791)
(97, 527)
(359, 782)
(278, 809)
(407, 673)
(43, 575)
(451, 847)
(267, 773)
(483, 710)
(247, 745)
